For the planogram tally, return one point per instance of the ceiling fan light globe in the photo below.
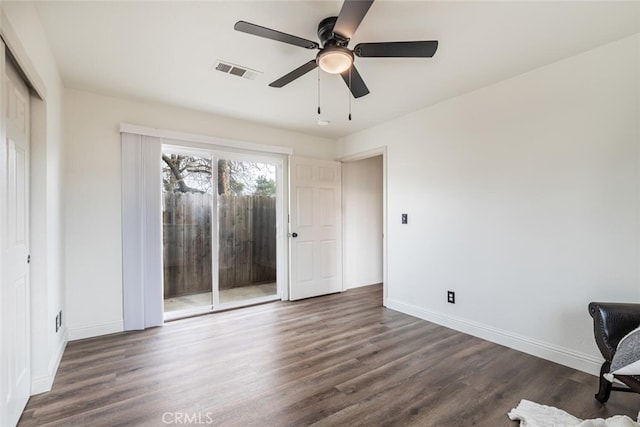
(335, 61)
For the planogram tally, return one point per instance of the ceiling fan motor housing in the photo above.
(326, 35)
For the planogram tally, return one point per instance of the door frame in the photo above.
(43, 340)
(362, 155)
(3, 196)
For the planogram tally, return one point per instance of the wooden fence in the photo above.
(247, 236)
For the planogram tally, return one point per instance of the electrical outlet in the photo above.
(58, 320)
(451, 297)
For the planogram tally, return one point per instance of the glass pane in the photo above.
(246, 230)
(186, 231)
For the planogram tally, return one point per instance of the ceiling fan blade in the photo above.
(350, 17)
(268, 33)
(358, 87)
(298, 72)
(418, 49)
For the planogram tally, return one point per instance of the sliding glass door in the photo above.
(220, 240)
(187, 208)
(246, 230)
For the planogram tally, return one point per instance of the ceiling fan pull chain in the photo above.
(350, 92)
(318, 91)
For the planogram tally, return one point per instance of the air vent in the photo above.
(223, 67)
(236, 70)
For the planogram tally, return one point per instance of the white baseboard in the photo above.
(95, 330)
(362, 285)
(44, 383)
(564, 356)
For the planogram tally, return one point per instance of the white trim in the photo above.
(19, 54)
(564, 356)
(95, 330)
(192, 137)
(42, 384)
(378, 151)
(282, 231)
(45, 383)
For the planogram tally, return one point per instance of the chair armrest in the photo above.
(611, 322)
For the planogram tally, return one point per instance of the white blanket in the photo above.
(532, 414)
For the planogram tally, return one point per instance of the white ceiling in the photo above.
(165, 52)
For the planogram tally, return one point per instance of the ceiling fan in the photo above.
(334, 56)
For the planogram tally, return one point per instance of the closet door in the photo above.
(14, 239)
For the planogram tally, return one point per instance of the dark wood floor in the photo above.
(338, 360)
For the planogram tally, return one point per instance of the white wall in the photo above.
(93, 192)
(47, 254)
(362, 213)
(523, 197)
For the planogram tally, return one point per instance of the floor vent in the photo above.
(237, 70)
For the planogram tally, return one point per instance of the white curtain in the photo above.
(141, 231)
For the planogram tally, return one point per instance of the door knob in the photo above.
(294, 234)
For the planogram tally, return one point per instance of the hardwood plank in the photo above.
(341, 359)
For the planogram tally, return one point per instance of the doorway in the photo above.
(220, 229)
(364, 219)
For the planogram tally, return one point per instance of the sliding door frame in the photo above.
(216, 153)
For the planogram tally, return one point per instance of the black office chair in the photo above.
(611, 322)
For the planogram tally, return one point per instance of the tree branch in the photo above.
(175, 171)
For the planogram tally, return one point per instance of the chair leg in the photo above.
(605, 386)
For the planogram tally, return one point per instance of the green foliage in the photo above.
(265, 187)
(237, 188)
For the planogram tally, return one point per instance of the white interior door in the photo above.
(14, 213)
(315, 227)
